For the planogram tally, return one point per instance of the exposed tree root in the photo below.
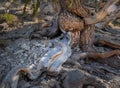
(95, 55)
(109, 70)
(103, 55)
(12, 78)
(109, 43)
(95, 81)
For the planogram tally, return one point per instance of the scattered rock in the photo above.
(90, 87)
(25, 47)
(3, 26)
(73, 79)
(49, 18)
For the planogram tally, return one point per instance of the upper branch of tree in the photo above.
(107, 9)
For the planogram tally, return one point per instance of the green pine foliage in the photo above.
(9, 18)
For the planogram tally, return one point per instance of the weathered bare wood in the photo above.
(52, 61)
(11, 80)
(107, 9)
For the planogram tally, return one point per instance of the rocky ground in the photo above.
(17, 48)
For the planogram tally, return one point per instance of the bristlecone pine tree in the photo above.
(79, 19)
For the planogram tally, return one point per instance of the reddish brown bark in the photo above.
(71, 23)
(87, 38)
(84, 26)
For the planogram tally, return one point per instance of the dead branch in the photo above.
(103, 13)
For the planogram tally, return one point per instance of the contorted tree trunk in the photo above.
(79, 19)
(80, 11)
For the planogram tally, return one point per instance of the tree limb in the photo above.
(107, 9)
